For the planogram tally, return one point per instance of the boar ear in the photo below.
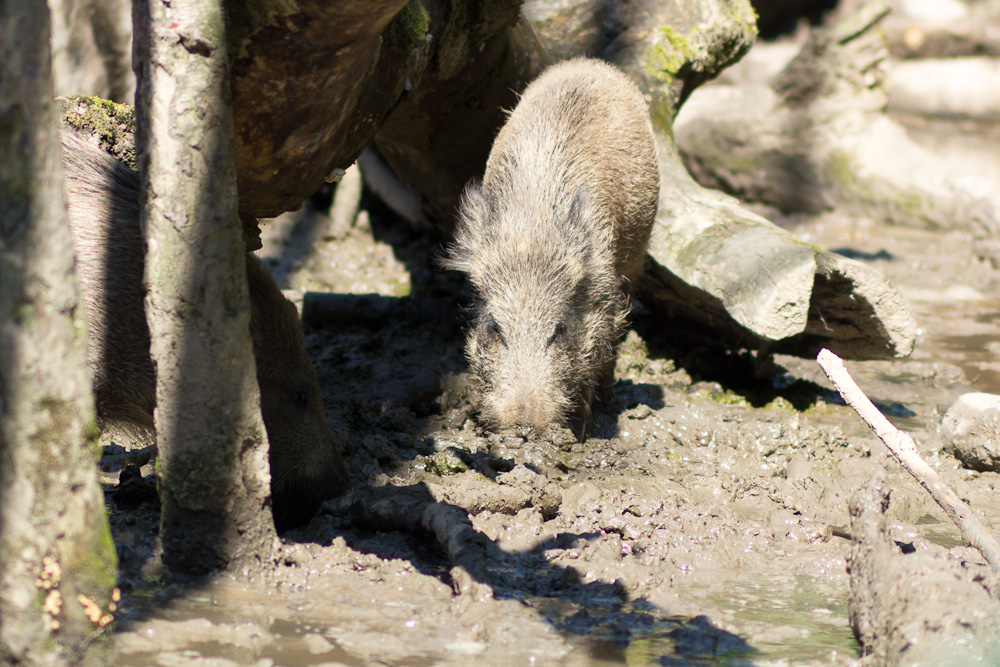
(579, 209)
(586, 229)
(473, 215)
(580, 223)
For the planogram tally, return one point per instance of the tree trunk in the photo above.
(57, 561)
(213, 446)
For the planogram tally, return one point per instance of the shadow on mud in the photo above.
(741, 374)
(438, 540)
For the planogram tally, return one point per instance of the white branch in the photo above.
(903, 448)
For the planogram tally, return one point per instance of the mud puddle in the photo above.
(703, 523)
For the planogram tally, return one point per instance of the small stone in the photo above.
(970, 431)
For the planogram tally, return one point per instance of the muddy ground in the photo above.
(704, 522)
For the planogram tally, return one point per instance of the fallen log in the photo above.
(714, 265)
(817, 138)
(916, 609)
(721, 268)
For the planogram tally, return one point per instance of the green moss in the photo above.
(112, 123)
(23, 314)
(907, 206)
(60, 420)
(445, 463)
(662, 112)
(410, 27)
(673, 456)
(780, 403)
(744, 16)
(728, 397)
(646, 651)
(94, 565)
(667, 54)
(92, 435)
(841, 170)
(400, 287)
(633, 357)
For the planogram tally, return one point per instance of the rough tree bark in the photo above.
(440, 134)
(295, 98)
(213, 446)
(57, 561)
(432, 78)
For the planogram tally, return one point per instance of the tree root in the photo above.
(413, 509)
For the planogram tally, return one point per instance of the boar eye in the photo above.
(559, 332)
(301, 398)
(492, 330)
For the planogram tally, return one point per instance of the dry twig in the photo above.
(903, 448)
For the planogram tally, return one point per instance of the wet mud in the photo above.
(704, 521)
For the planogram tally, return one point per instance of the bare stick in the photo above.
(903, 448)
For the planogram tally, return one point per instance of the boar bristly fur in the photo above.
(551, 241)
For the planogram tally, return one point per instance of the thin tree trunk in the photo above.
(57, 561)
(213, 446)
